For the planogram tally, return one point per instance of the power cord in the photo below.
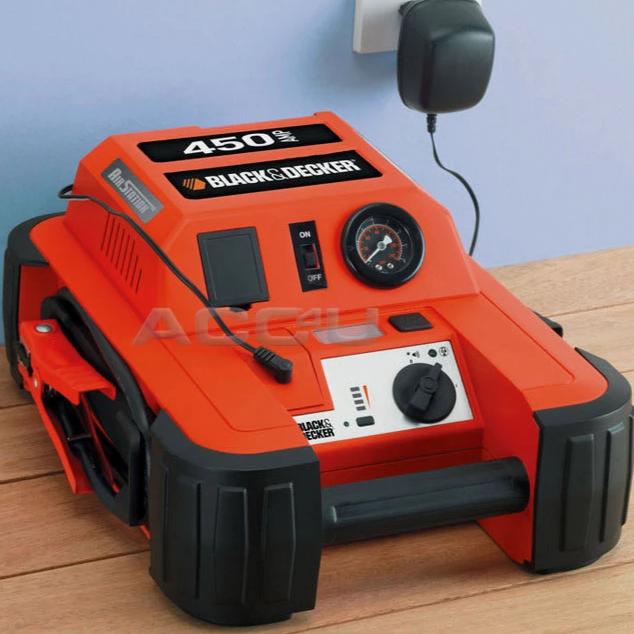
(278, 366)
(431, 128)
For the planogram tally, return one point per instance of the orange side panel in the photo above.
(211, 419)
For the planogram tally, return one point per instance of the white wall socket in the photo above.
(377, 24)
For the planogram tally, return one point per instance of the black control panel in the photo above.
(310, 265)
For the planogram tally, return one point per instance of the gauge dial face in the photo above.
(383, 245)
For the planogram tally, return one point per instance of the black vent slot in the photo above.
(119, 246)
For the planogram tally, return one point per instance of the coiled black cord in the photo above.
(431, 128)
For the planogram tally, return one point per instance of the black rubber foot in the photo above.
(236, 539)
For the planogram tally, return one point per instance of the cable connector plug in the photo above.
(279, 367)
(432, 119)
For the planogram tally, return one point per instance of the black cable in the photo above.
(280, 367)
(431, 128)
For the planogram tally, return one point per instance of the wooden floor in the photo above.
(67, 566)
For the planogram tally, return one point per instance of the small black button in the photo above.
(365, 421)
(411, 322)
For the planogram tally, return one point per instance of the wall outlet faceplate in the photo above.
(377, 24)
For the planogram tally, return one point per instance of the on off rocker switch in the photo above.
(310, 267)
(310, 257)
(424, 393)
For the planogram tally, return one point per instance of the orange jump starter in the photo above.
(350, 372)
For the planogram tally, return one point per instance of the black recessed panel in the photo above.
(233, 267)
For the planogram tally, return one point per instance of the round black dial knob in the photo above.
(424, 392)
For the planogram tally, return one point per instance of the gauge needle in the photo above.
(381, 246)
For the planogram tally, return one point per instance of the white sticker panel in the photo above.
(361, 389)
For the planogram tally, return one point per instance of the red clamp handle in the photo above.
(53, 361)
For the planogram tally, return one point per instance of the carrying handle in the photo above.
(399, 504)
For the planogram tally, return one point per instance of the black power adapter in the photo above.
(445, 59)
(445, 55)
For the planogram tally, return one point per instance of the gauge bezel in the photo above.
(358, 266)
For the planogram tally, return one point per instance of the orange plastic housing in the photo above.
(511, 362)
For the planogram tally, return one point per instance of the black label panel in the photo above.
(271, 175)
(197, 147)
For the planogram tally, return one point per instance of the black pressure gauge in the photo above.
(383, 245)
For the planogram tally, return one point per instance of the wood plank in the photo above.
(44, 525)
(27, 451)
(596, 601)
(573, 283)
(357, 581)
(606, 332)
